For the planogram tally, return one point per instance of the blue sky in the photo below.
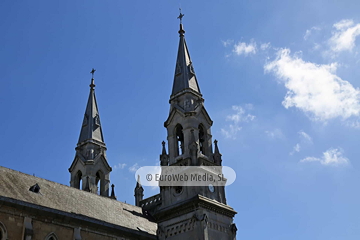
(280, 80)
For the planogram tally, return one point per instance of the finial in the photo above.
(92, 85)
(163, 148)
(112, 192)
(180, 16)
(217, 154)
(216, 146)
(138, 183)
(181, 31)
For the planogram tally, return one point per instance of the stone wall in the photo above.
(19, 222)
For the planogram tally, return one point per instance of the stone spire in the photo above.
(164, 157)
(139, 192)
(90, 170)
(91, 128)
(185, 78)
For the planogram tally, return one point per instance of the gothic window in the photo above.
(3, 232)
(51, 236)
(78, 180)
(179, 140)
(202, 139)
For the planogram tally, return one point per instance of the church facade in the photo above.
(33, 208)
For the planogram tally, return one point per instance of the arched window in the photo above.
(100, 182)
(202, 139)
(78, 180)
(3, 232)
(51, 236)
(179, 140)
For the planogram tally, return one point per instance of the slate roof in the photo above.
(14, 185)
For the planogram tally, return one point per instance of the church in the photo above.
(33, 208)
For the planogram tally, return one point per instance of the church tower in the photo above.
(191, 212)
(90, 170)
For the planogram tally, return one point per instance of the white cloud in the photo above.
(276, 133)
(134, 167)
(332, 156)
(265, 46)
(238, 117)
(306, 137)
(309, 31)
(307, 34)
(353, 124)
(243, 48)
(316, 46)
(314, 88)
(295, 149)
(120, 166)
(343, 38)
(227, 42)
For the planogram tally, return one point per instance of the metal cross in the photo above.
(92, 72)
(180, 16)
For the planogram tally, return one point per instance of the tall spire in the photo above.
(91, 127)
(185, 77)
(90, 170)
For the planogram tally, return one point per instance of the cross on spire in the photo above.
(92, 72)
(92, 85)
(180, 16)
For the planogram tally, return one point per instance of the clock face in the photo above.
(211, 188)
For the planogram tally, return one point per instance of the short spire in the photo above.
(113, 192)
(217, 154)
(138, 183)
(164, 157)
(139, 192)
(216, 146)
(163, 148)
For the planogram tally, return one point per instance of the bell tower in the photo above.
(90, 170)
(191, 212)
